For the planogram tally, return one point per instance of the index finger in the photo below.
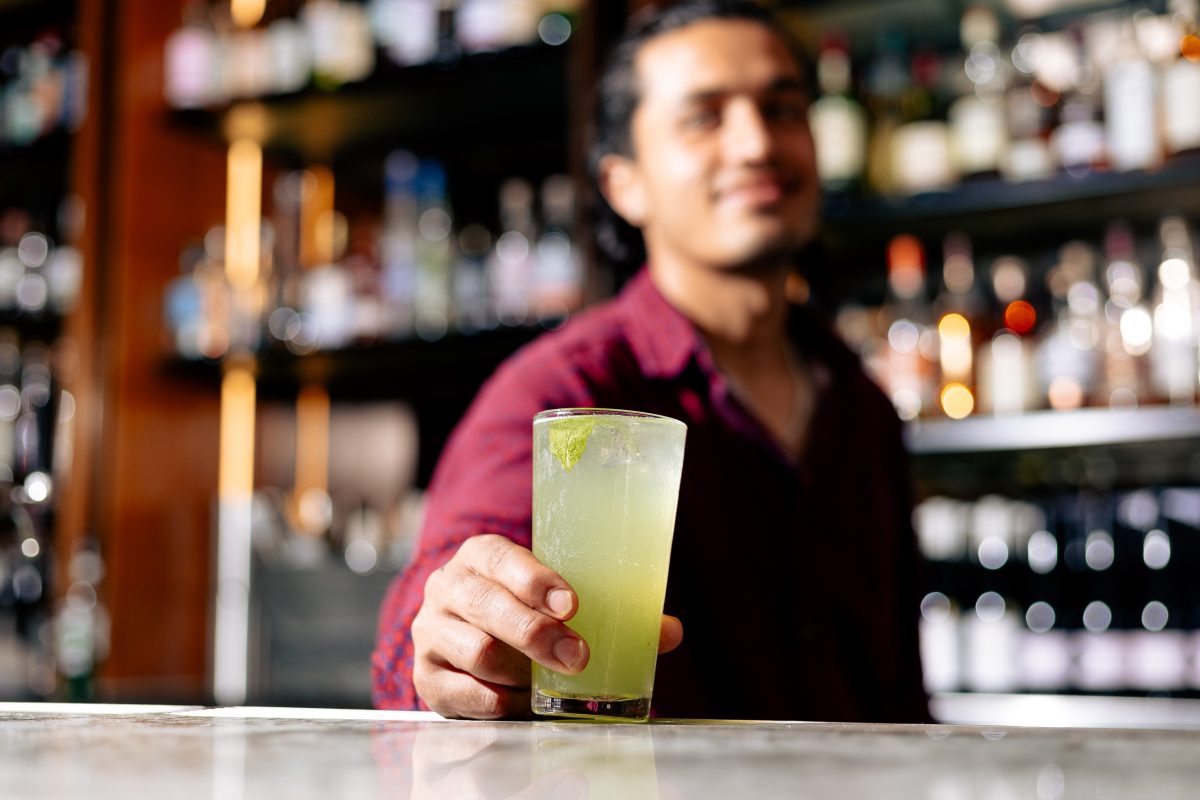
(518, 570)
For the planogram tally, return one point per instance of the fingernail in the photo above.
(570, 652)
(559, 601)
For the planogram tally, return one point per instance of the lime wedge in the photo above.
(569, 438)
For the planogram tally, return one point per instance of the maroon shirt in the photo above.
(796, 581)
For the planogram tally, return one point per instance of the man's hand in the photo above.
(489, 611)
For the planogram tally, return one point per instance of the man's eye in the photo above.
(785, 112)
(701, 119)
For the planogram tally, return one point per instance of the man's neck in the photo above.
(739, 313)
(742, 315)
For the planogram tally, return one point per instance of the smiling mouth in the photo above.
(758, 193)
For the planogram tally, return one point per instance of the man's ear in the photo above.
(621, 184)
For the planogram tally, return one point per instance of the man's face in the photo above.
(723, 173)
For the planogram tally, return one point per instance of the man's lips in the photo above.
(756, 192)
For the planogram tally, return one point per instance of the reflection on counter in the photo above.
(316, 753)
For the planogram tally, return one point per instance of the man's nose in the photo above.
(747, 136)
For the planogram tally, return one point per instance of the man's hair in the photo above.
(618, 95)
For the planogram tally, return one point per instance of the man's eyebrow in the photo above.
(786, 85)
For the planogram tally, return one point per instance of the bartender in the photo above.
(794, 569)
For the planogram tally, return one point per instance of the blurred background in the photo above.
(257, 256)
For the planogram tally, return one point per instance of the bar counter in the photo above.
(103, 752)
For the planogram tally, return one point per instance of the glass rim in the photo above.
(561, 413)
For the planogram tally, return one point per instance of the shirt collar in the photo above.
(663, 340)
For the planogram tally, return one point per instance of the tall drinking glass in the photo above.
(605, 489)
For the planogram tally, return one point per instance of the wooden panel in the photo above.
(156, 475)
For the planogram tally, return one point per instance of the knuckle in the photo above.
(479, 652)
(422, 630)
(530, 629)
(478, 548)
(525, 580)
(424, 683)
(477, 596)
(433, 584)
(489, 703)
(499, 554)
(467, 548)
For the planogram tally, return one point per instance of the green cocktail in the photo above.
(605, 489)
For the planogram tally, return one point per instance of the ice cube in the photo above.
(614, 445)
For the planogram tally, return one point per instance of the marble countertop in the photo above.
(104, 752)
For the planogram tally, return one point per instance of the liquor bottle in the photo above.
(471, 312)
(10, 402)
(1005, 374)
(558, 273)
(1069, 351)
(921, 155)
(1130, 108)
(887, 82)
(184, 306)
(448, 51)
(407, 29)
(398, 248)
(909, 374)
(1129, 325)
(978, 133)
(434, 252)
(32, 450)
(1181, 83)
(958, 310)
(343, 48)
(1101, 644)
(1043, 653)
(64, 277)
(941, 527)
(559, 19)
(482, 25)
(1157, 644)
(838, 122)
(1173, 355)
(326, 291)
(511, 266)
(1028, 154)
(250, 70)
(1078, 143)
(190, 61)
(290, 55)
(991, 635)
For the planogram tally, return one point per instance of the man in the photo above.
(793, 565)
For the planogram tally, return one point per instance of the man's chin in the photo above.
(767, 252)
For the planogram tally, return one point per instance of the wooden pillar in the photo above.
(155, 470)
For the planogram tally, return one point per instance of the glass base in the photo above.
(615, 709)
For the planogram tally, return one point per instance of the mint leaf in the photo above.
(569, 438)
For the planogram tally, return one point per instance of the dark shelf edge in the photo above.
(1048, 430)
(998, 197)
(409, 97)
(399, 369)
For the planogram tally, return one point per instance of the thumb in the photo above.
(670, 634)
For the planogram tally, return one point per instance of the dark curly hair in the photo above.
(617, 97)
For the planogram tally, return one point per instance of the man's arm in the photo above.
(482, 486)
(460, 626)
